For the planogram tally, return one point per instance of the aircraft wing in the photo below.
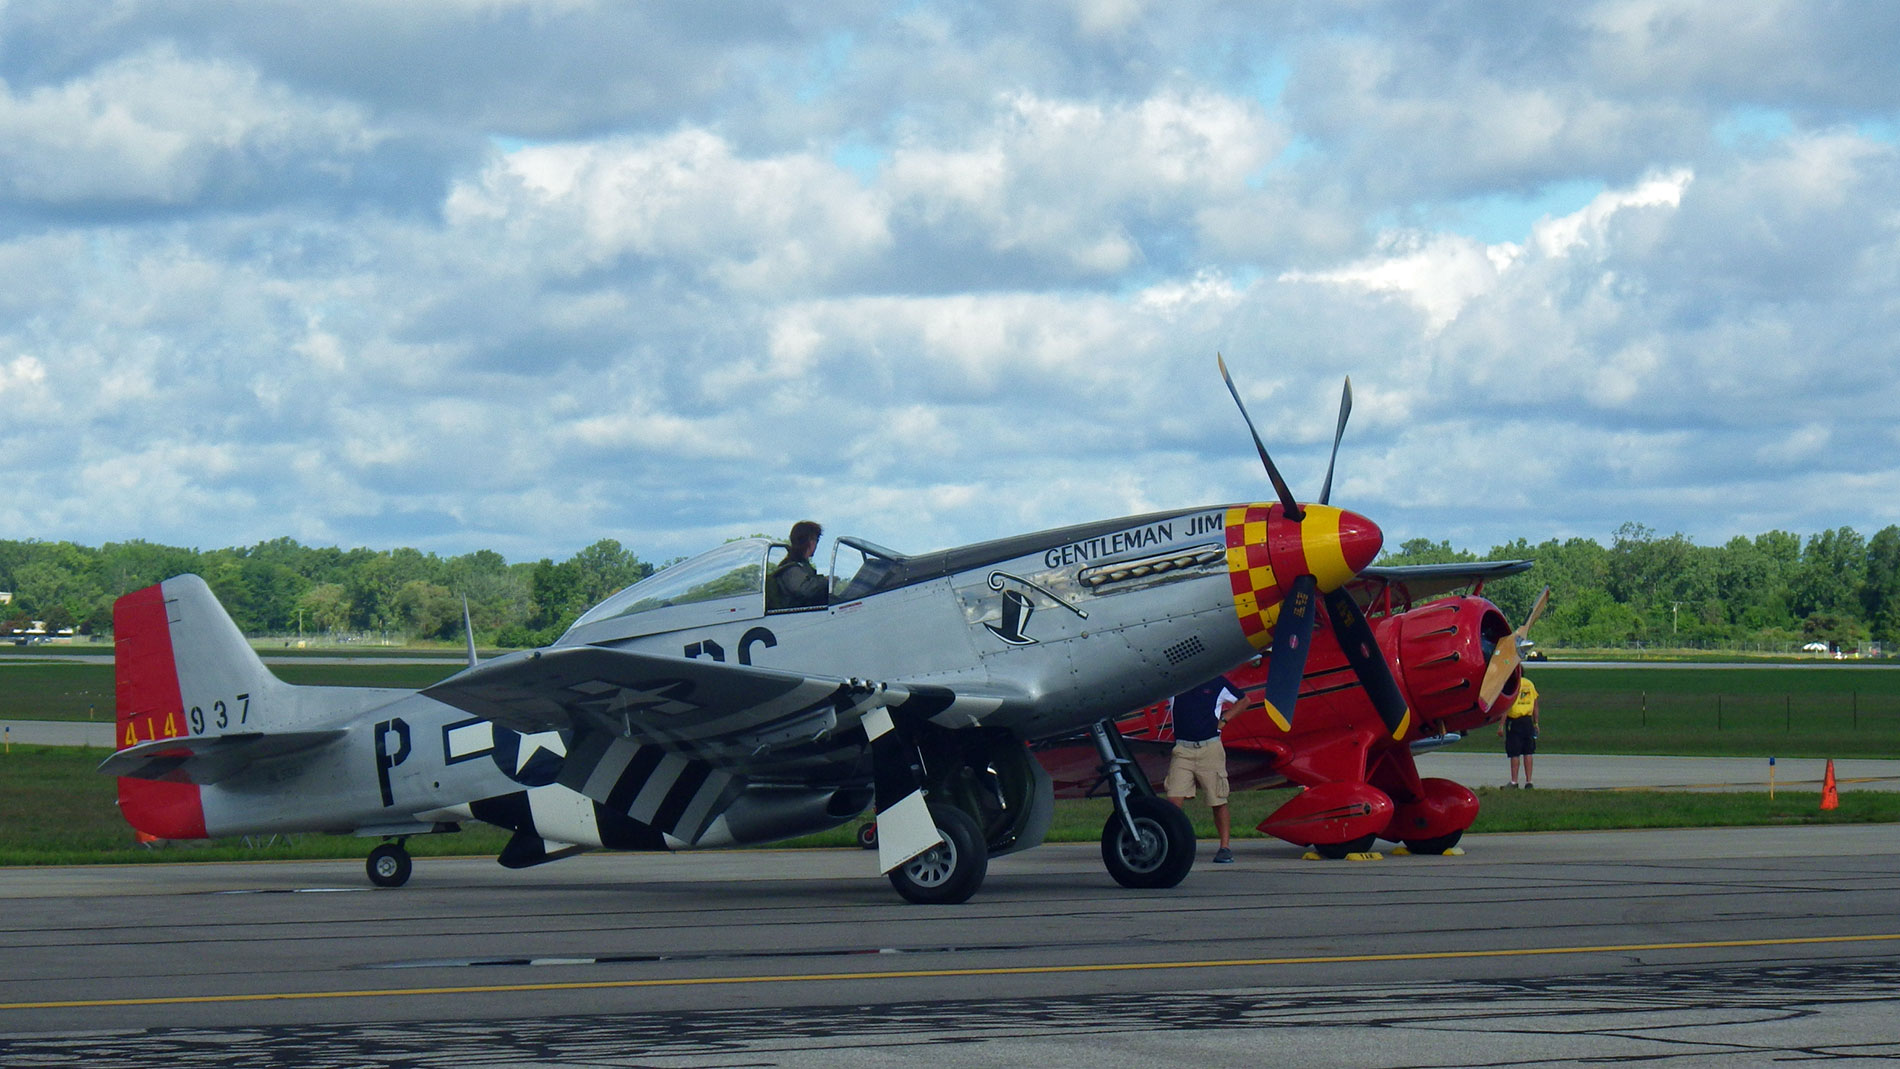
(206, 759)
(729, 715)
(1417, 582)
(672, 742)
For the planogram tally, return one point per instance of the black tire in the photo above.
(867, 835)
(389, 865)
(1162, 854)
(951, 871)
(1335, 851)
(1436, 845)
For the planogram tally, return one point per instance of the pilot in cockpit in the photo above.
(795, 583)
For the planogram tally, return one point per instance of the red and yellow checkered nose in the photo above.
(1266, 552)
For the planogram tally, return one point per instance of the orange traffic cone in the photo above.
(1830, 798)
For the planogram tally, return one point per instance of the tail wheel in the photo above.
(389, 865)
(951, 871)
(867, 835)
(1435, 845)
(1335, 851)
(1158, 853)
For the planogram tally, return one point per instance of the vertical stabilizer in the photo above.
(181, 668)
(214, 662)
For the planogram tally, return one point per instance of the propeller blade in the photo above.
(1505, 659)
(1288, 505)
(1537, 610)
(1339, 432)
(1292, 638)
(1368, 662)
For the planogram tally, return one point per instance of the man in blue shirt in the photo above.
(1198, 756)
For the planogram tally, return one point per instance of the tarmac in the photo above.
(1685, 948)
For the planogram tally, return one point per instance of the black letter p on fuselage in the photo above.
(385, 760)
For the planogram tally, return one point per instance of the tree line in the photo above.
(281, 587)
(1775, 591)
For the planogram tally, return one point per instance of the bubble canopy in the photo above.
(736, 569)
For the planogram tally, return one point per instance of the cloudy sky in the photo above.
(524, 274)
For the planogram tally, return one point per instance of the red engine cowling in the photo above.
(1440, 651)
(1335, 812)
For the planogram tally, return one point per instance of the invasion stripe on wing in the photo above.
(664, 790)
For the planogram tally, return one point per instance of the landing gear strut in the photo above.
(389, 865)
(1149, 842)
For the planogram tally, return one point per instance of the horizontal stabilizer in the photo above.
(210, 758)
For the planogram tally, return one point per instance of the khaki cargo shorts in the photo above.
(1205, 764)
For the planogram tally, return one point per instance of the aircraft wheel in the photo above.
(1159, 854)
(867, 835)
(1435, 845)
(1335, 851)
(389, 865)
(951, 871)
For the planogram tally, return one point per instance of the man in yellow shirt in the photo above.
(1520, 730)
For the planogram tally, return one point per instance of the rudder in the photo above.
(180, 667)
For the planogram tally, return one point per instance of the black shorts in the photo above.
(1520, 737)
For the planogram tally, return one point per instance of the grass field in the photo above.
(1823, 710)
(55, 810)
(1808, 711)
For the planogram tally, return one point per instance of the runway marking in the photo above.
(914, 974)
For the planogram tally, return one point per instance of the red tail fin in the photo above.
(150, 707)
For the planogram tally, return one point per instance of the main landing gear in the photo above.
(1148, 842)
(951, 871)
(389, 864)
(987, 796)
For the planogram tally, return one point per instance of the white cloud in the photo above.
(1438, 273)
(1588, 227)
(154, 127)
(1050, 177)
(474, 274)
(758, 225)
(1442, 273)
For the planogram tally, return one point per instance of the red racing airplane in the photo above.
(1401, 670)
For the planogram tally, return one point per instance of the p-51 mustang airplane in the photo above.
(683, 712)
(1453, 665)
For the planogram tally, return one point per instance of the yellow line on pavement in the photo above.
(912, 974)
